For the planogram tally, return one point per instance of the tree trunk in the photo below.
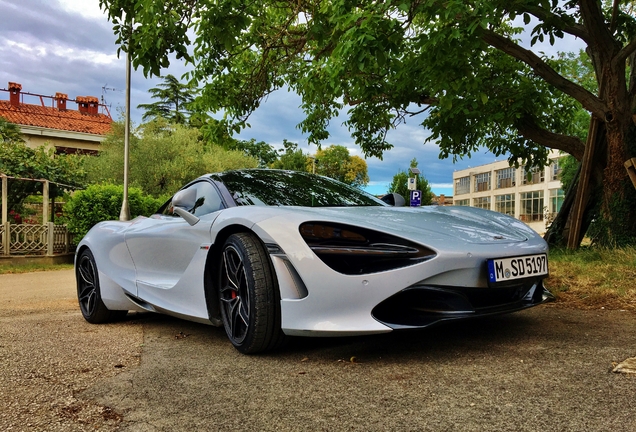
(557, 233)
(617, 222)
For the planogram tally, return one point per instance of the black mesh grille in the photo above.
(420, 306)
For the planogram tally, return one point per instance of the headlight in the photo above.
(352, 250)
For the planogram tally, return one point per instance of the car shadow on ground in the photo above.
(441, 340)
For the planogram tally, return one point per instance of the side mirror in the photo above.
(394, 199)
(183, 202)
(185, 199)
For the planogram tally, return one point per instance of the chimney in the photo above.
(14, 93)
(87, 104)
(93, 105)
(60, 100)
(82, 104)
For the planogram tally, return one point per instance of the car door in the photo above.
(169, 253)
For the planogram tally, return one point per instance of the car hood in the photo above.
(442, 223)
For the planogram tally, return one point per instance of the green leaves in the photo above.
(378, 61)
(163, 157)
(98, 203)
(18, 160)
(399, 184)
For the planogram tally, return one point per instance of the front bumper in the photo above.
(423, 305)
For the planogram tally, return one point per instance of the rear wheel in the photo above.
(249, 299)
(88, 291)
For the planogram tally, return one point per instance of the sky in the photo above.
(68, 46)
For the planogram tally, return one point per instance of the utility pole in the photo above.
(124, 214)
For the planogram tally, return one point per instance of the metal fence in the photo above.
(23, 239)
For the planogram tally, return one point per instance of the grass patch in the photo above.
(594, 278)
(27, 268)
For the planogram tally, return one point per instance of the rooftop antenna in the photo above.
(105, 88)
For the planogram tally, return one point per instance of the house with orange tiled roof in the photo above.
(51, 123)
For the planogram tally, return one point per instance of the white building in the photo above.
(500, 187)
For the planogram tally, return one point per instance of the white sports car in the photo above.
(269, 254)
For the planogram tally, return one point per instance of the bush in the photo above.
(103, 202)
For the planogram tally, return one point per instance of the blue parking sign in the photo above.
(416, 198)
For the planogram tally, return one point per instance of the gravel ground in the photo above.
(49, 354)
(544, 369)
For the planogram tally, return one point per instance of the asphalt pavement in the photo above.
(544, 369)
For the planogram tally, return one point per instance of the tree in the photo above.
(336, 162)
(400, 184)
(263, 152)
(459, 61)
(291, 158)
(18, 160)
(163, 157)
(173, 101)
(9, 132)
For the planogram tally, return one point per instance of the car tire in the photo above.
(88, 291)
(248, 295)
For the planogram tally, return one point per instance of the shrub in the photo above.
(103, 202)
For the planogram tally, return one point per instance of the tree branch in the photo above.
(589, 101)
(529, 129)
(546, 16)
(625, 52)
(600, 37)
(612, 28)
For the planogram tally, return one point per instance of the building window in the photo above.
(483, 202)
(556, 201)
(464, 202)
(536, 175)
(531, 206)
(505, 204)
(555, 169)
(482, 182)
(462, 185)
(506, 178)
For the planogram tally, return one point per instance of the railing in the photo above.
(23, 239)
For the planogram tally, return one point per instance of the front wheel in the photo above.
(88, 292)
(250, 304)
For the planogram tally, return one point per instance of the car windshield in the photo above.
(292, 188)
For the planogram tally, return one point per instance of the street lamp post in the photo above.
(124, 214)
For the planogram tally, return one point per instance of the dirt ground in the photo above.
(544, 369)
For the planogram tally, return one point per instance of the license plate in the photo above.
(506, 269)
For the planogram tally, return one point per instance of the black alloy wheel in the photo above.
(250, 303)
(88, 292)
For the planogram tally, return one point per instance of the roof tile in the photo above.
(52, 118)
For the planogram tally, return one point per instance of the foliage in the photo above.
(263, 152)
(569, 168)
(163, 157)
(19, 160)
(103, 202)
(399, 184)
(9, 132)
(336, 162)
(384, 60)
(291, 158)
(173, 101)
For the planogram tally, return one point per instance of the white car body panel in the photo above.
(158, 263)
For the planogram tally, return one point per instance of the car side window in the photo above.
(208, 199)
(205, 199)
